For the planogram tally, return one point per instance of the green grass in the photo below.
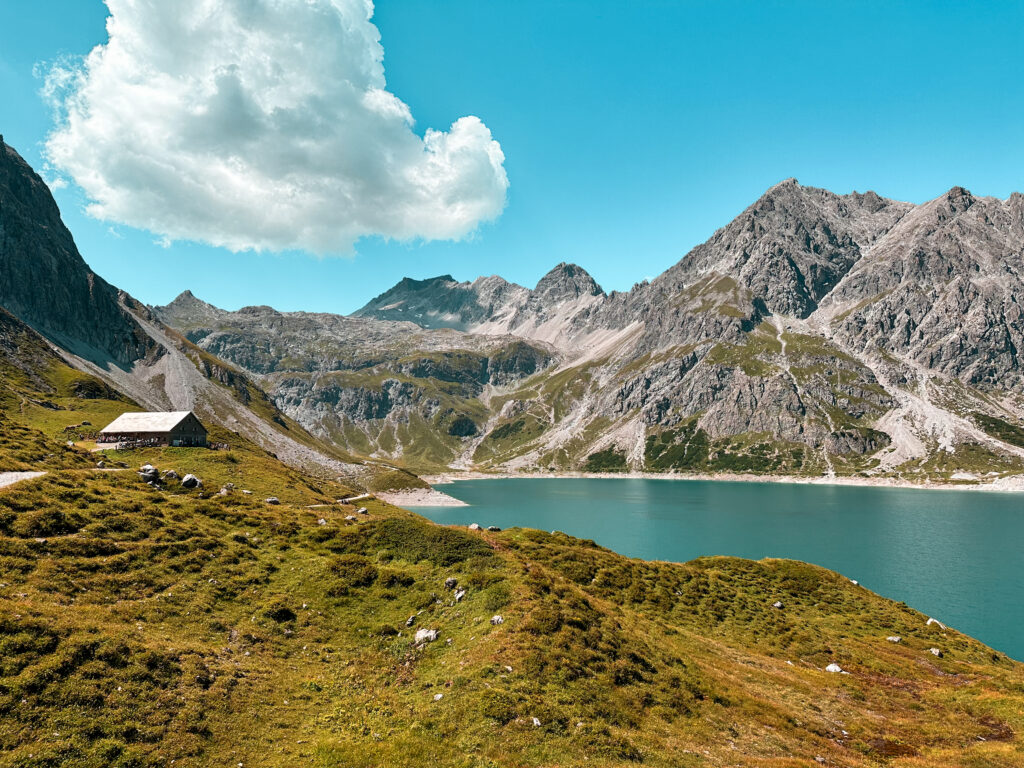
(140, 626)
(743, 357)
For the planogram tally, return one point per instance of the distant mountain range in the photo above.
(814, 334)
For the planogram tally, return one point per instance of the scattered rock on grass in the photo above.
(497, 619)
(273, 500)
(894, 639)
(426, 635)
(777, 604)
(493, 528)
(474, 526)
(459, 595)
(191, 481)
(169, 475)
(362, 511)
(451, 582)
(834, 668)
(936, 622)
(935, 652)
(536, 722)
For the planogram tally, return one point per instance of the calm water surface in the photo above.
(954, 555)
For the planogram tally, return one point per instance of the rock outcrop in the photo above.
(45, 282)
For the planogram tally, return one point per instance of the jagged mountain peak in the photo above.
(188, 310)
(188, 299)
(792, 246)
(566, 281)
(409, 282)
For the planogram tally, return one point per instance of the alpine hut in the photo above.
(175, 428)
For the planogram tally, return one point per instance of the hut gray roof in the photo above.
(162, 421)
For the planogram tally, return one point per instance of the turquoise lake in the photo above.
(954, 555)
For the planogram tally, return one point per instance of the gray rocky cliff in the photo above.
(45, 282)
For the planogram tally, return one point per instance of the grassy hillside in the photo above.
(151, 626)
(142, 626)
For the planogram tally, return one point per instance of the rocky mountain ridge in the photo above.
(45, 282)
(816, 333)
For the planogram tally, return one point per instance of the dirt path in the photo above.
(10, 478)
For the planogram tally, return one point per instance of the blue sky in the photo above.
(630, 130)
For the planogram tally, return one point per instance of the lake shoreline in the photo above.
(420, 497)
(1013, 484)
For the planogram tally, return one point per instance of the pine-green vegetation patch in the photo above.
(688, 448)
(740, 356)
(611, 459)
(974, 458)
(1000, 429)
(395, 480)
(685, 448)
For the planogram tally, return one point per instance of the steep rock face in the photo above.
(441, 302)
(188, 311)
(566, 282)
(792, 246)
(353, 379)
(944, 289)
(560, 303)
(45, 282)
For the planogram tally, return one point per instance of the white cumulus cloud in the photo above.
(262, 124)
